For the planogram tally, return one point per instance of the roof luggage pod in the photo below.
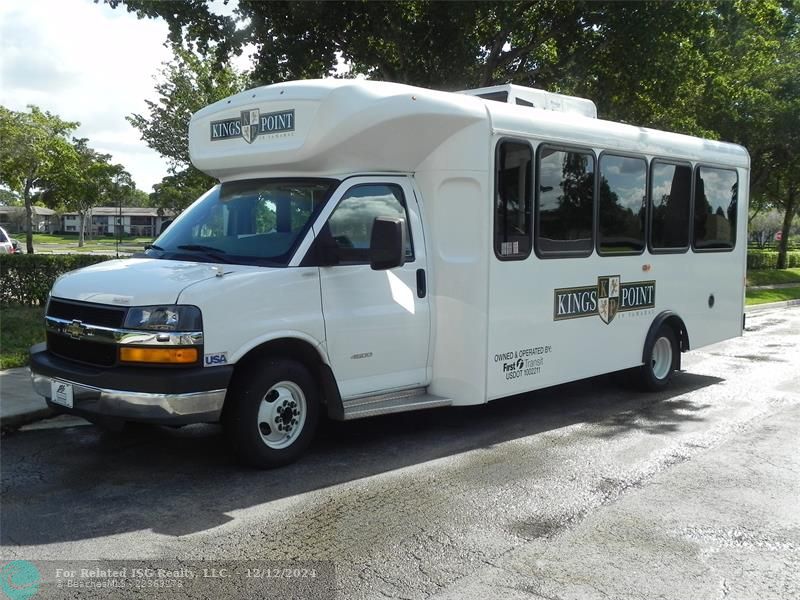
(326, 126)
(525, 96)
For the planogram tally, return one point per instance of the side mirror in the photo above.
(387, 245)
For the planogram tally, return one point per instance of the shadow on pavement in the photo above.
(80, 483)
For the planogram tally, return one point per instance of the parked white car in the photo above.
(6, 247)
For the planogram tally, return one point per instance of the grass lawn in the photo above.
(773, 276)
(20, 328)
(48, 243)
(72, 240)
(764, 296)
(49, 238)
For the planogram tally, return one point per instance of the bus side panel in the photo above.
(457, 239)
(532, 346)
(721, 275)
(453, 182)
(540, 334)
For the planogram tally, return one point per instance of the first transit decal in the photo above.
(609, 297)
(251, 124)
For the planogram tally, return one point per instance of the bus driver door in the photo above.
(377, 323)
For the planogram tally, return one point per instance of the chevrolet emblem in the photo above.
(75, 330)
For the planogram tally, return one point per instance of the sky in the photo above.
(89, 63)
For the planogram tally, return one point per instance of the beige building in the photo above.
(107, 220)
(12, 219)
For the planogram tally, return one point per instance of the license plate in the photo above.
(61, 393)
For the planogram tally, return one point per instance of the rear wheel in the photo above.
(271, 413)
(661, 357)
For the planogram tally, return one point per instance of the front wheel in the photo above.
(271, 413)
(661, 356)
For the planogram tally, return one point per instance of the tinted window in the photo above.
(565, 193)
(256, 221)
(670, 190)
(513, 201)
(622, 197)
(350, 225)
(496, 96)
(715, 195)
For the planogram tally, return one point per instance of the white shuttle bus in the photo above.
(375, 248)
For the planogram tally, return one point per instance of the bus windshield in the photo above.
(253, 221)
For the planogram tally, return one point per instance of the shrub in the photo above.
(761, 259)
(27, 278)
(768, 259)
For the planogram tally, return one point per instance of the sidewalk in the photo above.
(20, 405)
(774, 286)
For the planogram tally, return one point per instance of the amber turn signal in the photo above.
(159, 355)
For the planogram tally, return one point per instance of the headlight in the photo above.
(164, 318)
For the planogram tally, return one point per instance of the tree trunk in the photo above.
(791, 201)
(81, 227)
(28, 217)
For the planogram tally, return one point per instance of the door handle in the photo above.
(422, 286)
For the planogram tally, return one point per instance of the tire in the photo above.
(662, 357)
(271, 413)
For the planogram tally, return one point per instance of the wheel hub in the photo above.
(661, 361)
(281, 414)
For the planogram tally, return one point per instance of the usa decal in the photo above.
(215, 360)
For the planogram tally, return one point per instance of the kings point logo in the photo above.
(251, 124)
(609, 297)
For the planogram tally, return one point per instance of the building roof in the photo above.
(37, 210)
(127, 211)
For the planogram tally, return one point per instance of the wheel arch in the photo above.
(675, 322)
(303, 351)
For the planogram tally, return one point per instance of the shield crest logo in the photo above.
(249, 123)
(608, 297)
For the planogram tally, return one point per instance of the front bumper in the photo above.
(144, 394)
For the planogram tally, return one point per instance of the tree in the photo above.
(752, 97)
(35, 148)
(764, 226)
(565, 45)
(177, 191)
(188, 84)
(91, 181)
(9, 198)
(130, 195)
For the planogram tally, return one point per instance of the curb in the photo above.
(19, 404)
(774, 286)
(757, 308)
(12, 422)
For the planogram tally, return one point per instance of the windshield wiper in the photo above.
(216, 253)
(154, 247)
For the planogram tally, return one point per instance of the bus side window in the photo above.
(513, 201)
(670, 190)
(622, 198)
(565, 202)
(715, 205)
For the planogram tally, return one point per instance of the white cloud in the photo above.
(85, 62)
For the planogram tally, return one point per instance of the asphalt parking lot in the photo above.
(588, 490)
